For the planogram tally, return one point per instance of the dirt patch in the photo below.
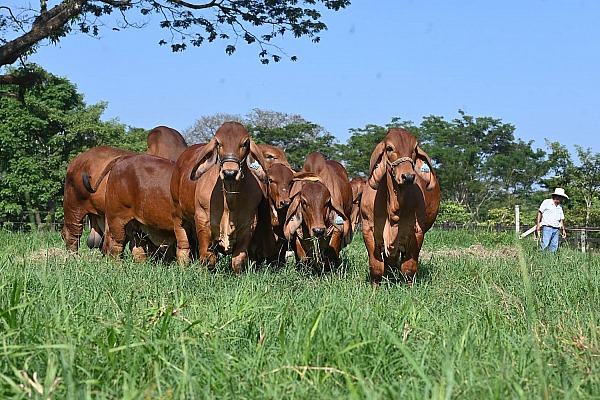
(476, 250)
(52, 253)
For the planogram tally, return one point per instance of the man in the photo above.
(551, 219)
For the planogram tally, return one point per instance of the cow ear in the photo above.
(296, 187)
(378, 166)
(340, 221)
(256, 163)
(293, 218)
(424, 169)
(206, 159)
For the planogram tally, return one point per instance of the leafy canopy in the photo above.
(39, 137)
(187, 22)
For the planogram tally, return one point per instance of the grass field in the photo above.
(488, 318)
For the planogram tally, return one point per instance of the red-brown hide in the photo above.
(399, 204)
(79, 202)
(138, 206)
(165, 142)
(317, 221)
(280, 185)
(357, 184)
(273, 155)
(216, 190)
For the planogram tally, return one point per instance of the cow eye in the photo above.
(389, 149)
(270, 156)
(217, 143)
(270, 180)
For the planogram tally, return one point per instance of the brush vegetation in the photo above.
(488, 317)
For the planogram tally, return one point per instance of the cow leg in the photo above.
(205, 254)
(376, 265)
(138, 245)
(183, 245)
(72, 228)
(411, 258)
(300, 251)
(116, 236)
(239, 257)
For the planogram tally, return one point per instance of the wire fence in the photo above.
(583, 238)
(578, 237)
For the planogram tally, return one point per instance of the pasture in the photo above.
(488, 317)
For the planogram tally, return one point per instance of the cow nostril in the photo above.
(285, 203)
(408, 178)
(229, 174)
(318, 232)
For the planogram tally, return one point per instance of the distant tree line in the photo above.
(483, 170)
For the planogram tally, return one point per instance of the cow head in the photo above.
(313, 208)
(273, 155)
(234, 151)
(399, 155)
(280, 184)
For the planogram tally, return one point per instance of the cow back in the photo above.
(165, 142)
(139, 186)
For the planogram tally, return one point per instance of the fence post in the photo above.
(583, 241)
(517, 219)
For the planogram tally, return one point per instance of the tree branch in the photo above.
(195, 6)
(20, 80)
(44, 25)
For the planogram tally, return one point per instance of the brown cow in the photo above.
(357, 184)
(273, 155)
(79, 202)
(280, 184)
(216, 190)
(138, 206)
(317, 221)
(165, 142)
(335, 177)
(399, 204)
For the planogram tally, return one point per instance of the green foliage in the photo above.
(356, 153)
(232, 22)
(297, 140)
(38, 137)
(487, 318)
(478, 160)
(453, 212)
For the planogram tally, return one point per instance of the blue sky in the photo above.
(533, 64)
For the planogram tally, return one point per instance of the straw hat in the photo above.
(560, 192)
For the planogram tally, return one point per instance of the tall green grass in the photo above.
(507, 322)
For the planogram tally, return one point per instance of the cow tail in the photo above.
(86, 178)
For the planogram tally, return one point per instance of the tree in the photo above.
(356, 154)
(586, 179)
(188, 22)
(40, 136)
(477, 160)
(290, 132)
(298, 140)
(204, 128)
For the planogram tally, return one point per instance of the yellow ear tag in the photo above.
(312, 178)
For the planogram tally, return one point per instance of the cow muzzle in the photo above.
(407, 178)
(230, 168)
(318, 231)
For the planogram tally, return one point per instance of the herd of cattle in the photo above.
(233, 196)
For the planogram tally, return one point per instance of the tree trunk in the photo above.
(44, 26)
(29, 208)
